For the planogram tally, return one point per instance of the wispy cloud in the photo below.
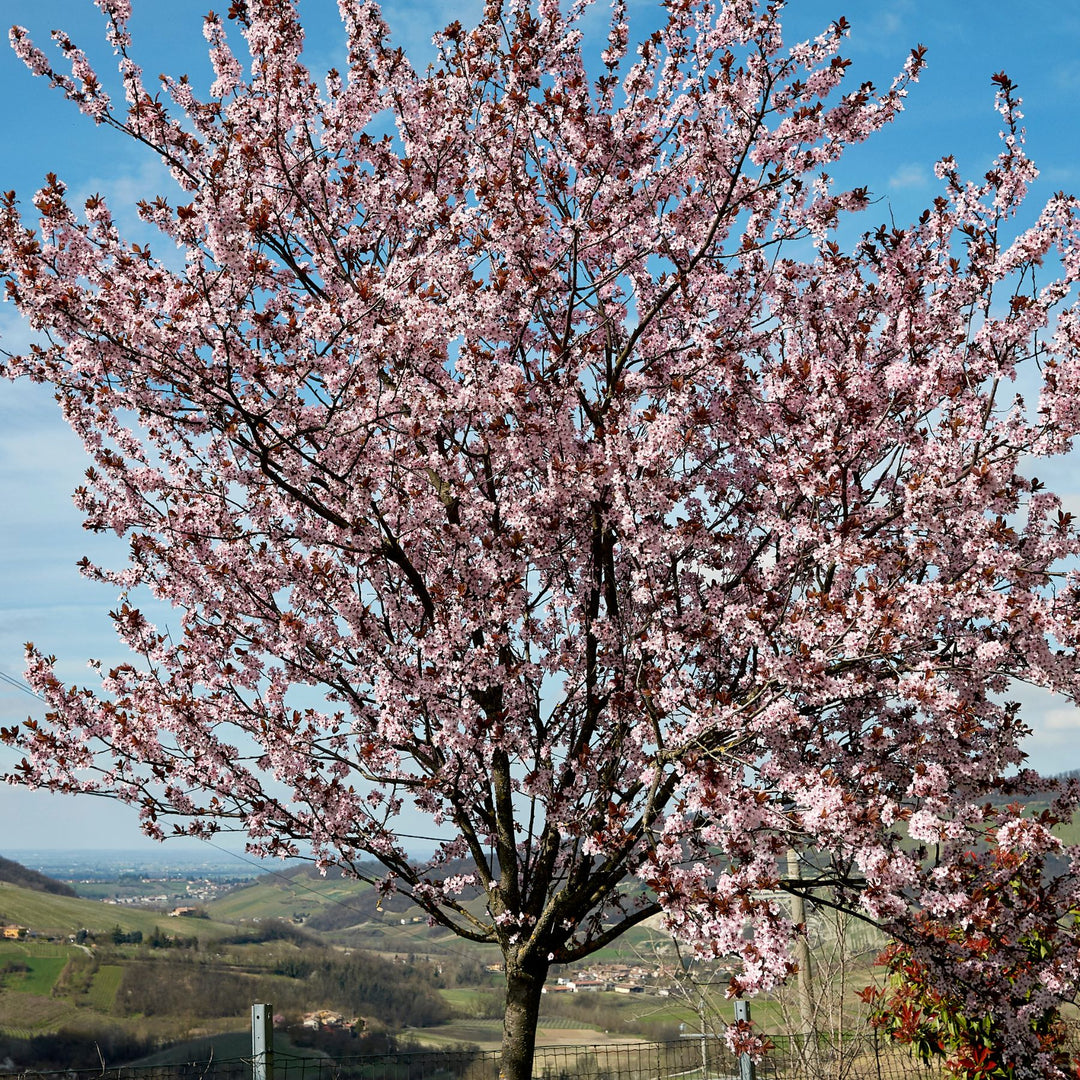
(15, 334)
(909, 175)
(1065, 719)
(883, 29)
(1066, 76)
(1055, 728)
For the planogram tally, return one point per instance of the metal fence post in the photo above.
(746, 1062)
(262, 1042)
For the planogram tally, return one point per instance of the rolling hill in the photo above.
(343, 909)
(52, 915)
(14, 873)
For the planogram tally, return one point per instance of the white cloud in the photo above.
(881, 28)
(1054, 744)
(909, 175)
(15, 332)
(1065, 719)
(413, 24)
(1060, 176)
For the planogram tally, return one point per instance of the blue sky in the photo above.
(43, 599)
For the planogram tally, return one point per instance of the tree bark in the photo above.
(525, 977)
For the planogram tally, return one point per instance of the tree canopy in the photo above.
(551, 452)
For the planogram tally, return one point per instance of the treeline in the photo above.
(399, 994)
(189, 991)
(16, 874)
(257, 933)
(396, 995)
(87, 1049)
(157, 939)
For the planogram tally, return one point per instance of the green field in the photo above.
(39, 979)
(26, 1005)
(102, 993)
(465, 999)
(45, 962)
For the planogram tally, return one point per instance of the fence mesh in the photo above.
(792, 1058)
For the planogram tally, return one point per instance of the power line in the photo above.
(18, 684)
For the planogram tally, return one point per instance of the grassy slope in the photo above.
(44, 971)
(35, 1003)
(103, 989)
(26, 1005)
(26, 1015)
(61, 915)
(307, 894)
(275, 896)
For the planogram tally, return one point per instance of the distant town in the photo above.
(147, 878)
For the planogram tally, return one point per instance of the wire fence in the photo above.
(792, 1058)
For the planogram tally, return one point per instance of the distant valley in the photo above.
(136, 956)
(158, 956)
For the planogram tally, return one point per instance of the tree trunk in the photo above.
(525, 978)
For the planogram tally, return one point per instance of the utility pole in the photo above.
(262, 1042)
(747, 1071)
(804, 978)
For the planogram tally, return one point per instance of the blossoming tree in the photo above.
(543, 460)
(915, 1009)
